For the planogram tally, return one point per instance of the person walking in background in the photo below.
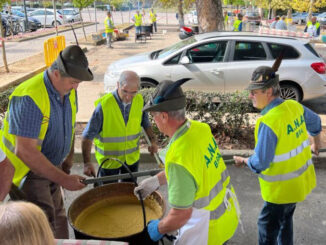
(273, 25)
(282, 155)
(109, 27)
(313, 27)
(281, 24)
(24, 223)
(153, 15)
(237, 25)
(115, 127)
(204, 207)
(226, 20)
(38, 134)
(137, 19)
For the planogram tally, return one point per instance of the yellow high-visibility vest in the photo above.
(236, 25)
(117, 139)
(36, 90)
(153, 16)
(204, 162)
(138, 19)
(106, 25)
(291, 175)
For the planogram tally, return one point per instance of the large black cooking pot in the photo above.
(147, 29)
(90, 197)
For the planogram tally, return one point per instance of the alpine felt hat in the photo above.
(168, 96)
(73, 62)
(263, 77)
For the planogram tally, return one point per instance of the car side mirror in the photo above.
(184, 60)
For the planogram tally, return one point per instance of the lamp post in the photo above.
(26, 19)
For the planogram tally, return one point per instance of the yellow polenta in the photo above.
(116, 217)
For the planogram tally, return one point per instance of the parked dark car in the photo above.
(33, 24)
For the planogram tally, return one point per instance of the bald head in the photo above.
(129, 78)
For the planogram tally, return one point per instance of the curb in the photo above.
(48, 34)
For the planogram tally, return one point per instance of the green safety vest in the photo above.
(107, 27)
(236, 25)
(204, 162)
(226, 18)
(291, 175)
(117, 139)
(36, 90)
(153, 16)
(138, 19)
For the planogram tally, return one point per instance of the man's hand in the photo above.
(73, 183)
(66, 166)
(240, 161)
(153, 232)
(153, 148)
(315, 149)
(147, 187)
(89, 169)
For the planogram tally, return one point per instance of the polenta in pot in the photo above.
(117, 216)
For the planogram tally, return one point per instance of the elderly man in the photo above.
(282, 157)
(38, 134)
(313, 27)
(115, 127)
(203, 201)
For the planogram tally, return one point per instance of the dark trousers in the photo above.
(154, 27)
(121, 170)
(47, 195)
(275, 224)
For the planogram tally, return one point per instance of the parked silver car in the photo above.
(224, 61)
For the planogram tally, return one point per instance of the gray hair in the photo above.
(276, 90)
(123, 79)
(178, 115)
(55, 66)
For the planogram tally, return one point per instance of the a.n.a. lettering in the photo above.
(295, 126)
(211, 153)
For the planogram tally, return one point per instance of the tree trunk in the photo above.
(210, 15)
(180, 14)
(273, 13)
(3, 46)
(289, 14)
(82, 21)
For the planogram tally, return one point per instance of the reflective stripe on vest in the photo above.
(208, 170)
(290, 177)
(36, 90)
(106, 25)
(123, 141)
(138, 19)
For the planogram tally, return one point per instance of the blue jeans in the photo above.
(122, 170)
(275, 224)
(138, 28)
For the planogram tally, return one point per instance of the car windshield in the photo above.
(70, 12)
(175, 47)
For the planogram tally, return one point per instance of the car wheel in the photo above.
(289, 91)
(58, 23)
(147, 84)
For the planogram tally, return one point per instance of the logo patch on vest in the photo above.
(211, 154)
(296, 126)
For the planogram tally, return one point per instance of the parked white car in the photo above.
(70, 15)
(225, 61)
(322, 18)
(50, 21)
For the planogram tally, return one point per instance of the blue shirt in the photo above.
(267, 140)
(25, 120)
(94, 126)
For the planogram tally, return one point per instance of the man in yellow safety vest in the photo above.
(137, 19)
(237, 25)
(282, 157)
(204, 209)
(109, 27)
(115, 127)
(38, 134)
(153, 15)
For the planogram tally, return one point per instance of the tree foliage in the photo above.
(172, 3)
(81, 4)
